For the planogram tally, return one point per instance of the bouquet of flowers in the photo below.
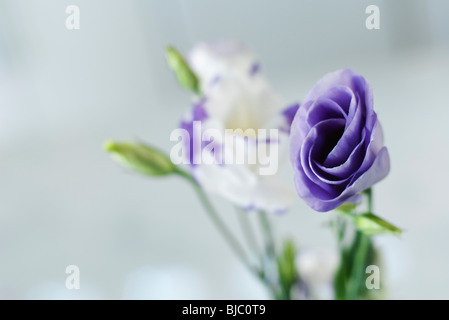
(232, 140)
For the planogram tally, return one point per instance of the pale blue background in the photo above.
(63, 93)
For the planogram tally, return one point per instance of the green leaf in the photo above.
(288, 274)
(186, 77)
(371, 224)
(141, 158)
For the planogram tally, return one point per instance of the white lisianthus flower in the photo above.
(236, 96)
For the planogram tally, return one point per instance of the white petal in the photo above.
(243, 103)
(241, 187)
(225, 58)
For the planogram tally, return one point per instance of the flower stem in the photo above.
(269, 266)
(268, 234)
(221, 226)
(362, 243)
(359, 265)
(369, 196)
(247, 230)
(348, 283)
(264, 274)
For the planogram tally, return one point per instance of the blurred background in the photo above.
(64, 92)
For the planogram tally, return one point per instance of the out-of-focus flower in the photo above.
(316, 268)
(236, 96)
(336, 142)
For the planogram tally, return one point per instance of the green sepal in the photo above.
(371, 224)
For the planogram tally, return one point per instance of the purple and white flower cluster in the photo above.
(335, 139)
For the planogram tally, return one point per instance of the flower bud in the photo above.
(141, 158)
(186, 77)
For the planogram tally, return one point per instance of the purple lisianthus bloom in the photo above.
(336, 142)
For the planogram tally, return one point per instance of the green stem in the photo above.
(269, 264)
(358, 267)
(221, 226)
(363, 244)
(269, 239)
(369, 195)
(349, 278)
(247, 230)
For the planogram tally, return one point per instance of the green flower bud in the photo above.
(186, 77)
(141, 158)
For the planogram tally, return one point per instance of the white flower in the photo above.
(237, 96)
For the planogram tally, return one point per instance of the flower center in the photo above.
(326, 143)
(244, 122)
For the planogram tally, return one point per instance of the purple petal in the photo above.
(198, 113)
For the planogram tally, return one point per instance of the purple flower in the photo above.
(336, 142)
